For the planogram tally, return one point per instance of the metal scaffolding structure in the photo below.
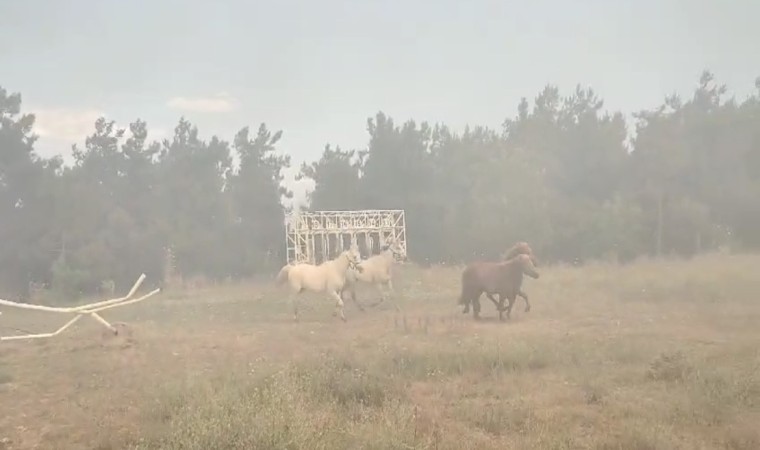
(315, 237)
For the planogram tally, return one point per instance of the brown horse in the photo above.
(503, 278)
(520, 248)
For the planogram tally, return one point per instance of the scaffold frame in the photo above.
(317, 236)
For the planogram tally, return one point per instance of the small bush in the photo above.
(343, 380)
(69, 282)
(499, 418)
(669, 367)
(593, 394)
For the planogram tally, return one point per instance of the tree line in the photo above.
(562, 174)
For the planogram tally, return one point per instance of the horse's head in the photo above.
(526, 263)
(521, 248)
(354, 258)
(395, 248)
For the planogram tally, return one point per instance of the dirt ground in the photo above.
(654, 355)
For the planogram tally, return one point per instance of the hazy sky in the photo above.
(319, 69)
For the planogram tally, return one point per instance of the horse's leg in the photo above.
(386, 291)
(351, 288)
(476, 307)
(464, 299)
(353, 297)
(294, 302)
(497, 304)
(380, 287)
(511, 298)
(385, 287)
(294, 288)
(501, 307)
(525, 297)
(338, 305)
(392, 292)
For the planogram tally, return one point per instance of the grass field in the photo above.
(654, 355)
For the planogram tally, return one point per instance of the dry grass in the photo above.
(655, 355)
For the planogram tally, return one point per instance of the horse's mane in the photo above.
(332, 260)
(518, 249)
(513, 261)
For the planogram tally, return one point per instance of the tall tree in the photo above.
(487, 195)
(256, 192)
(106, 214)
(27, 187)
(336, 176)
(193, 175)
(580, 151)
(397, 175)
(691, 160)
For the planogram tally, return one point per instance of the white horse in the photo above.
(376, 271)
(328, 277)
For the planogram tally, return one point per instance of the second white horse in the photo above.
(377, 271)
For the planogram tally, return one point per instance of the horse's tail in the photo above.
(282, 275)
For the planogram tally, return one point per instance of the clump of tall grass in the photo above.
(333, 400)
(326, 403)
(711, 393)
(487, 359)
